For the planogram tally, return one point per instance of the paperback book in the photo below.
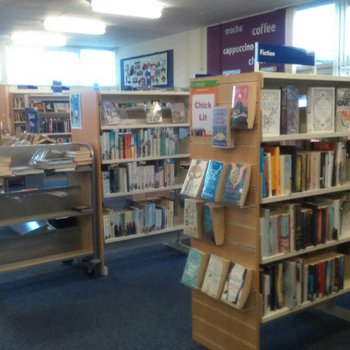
(289, 110)
(270, 111)
(193, 217)
(222, 134)
(214, 181)
(214, 223)
(343, 110)
(195, 268)
(194, 179)
(215, 276)
(236, 183)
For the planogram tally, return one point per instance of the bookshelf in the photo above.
(48, 214)
(53, 114)
(167, 148)
(215, 325)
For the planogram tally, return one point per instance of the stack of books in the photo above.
(80, 157)
(5, 166)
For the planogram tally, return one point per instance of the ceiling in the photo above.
(178, 16)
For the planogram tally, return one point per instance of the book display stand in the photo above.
(219, 326)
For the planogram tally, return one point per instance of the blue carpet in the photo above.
(140, 306)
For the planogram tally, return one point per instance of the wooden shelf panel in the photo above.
(117, 161)
(309, 136)
(143, 235)
(283, 256)
(305, 194)
(145, 126)
(152, 190)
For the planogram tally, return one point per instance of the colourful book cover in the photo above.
(194, 179)
(214, 222)
(236, 183)
(195, 267)
(213, 181)
(222, 134)
(240, 96)
(343, 110)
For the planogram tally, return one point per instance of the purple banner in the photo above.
(230, 46)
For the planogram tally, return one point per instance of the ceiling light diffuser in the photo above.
(135, 8)
(38, 39)
(74, 25)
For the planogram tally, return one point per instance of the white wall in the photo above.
(190, 54)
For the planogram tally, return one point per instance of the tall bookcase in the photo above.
(133, 121)
(214, 324)
(53, 113)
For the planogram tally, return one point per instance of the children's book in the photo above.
(194, 179)
(213, 181)
(222, 134)
(193, 217)
(236, 183)
(214, 222)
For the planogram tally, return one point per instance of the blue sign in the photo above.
(283, 54)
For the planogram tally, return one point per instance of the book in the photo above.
(342, 112)
(270, 104)
(215, 276)
(214, 181)
(237, 286)
(289, 123)
(178, 112)
(320, 109)
(193, 183)
(243, 105)
(193, 217)
(236, 183)
(214, 222)
(195, 267)
(32, 120)
(222, 134)
(110, 114)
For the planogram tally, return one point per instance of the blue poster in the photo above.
(75, 111)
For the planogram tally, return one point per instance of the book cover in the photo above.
(193, 217)
(32, 120)
(270, 105)
(194, 179)
(195, 268)
(222, 134)
(236, 183)
(342, 115)
(237, 286)
(213, 181)
(178, 112)
(110, 114)
(244, 105)
(289, 110)
(215, 276)
(214, 222)
(320, 109)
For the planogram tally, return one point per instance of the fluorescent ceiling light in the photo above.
(74, 25)
(38, 39)
(135, 8)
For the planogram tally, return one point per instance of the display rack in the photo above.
(48, 213)
(214, 324)
(132, 108)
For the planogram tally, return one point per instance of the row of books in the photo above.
(53, 125)
(294, 282)
(139, 217)
(204, 220)
(151, 142)
(18, 116)
(327, 110)
(217, 181)
(50, 106)
(18, 102)
(135, 176)
(287, 169)
(217, 277)
(294, 226)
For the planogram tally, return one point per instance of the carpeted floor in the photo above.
(140, 306)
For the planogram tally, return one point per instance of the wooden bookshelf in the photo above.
(214, 324)
(93, 127)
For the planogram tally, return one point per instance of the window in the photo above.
(315, 29)
(74, 67)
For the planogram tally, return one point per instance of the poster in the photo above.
(75, 111)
